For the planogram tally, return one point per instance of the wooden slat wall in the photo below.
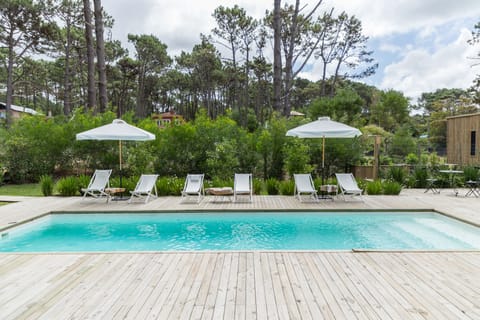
(458, 139)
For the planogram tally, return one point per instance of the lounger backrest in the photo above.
(146, 182)
(304, 182)
(99, 179)
(243, 182)
(347, 181)
(193, 183)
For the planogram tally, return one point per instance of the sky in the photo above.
(420, 45)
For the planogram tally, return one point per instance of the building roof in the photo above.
(19, 108)
(296, 113)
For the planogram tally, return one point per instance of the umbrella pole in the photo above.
(323, 160)
(120, 159)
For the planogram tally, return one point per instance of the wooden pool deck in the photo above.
(246, 284)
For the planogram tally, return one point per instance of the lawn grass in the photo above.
(30, 189)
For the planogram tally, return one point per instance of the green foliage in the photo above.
(2, 173)
(274, 150)
(390, 111)
(470, 173)
(33, 147)
(374, 187)
(344, 105)
(170, 186)
(257, 186)
(391, 187)
(397, 174)
(128, 183)
(24, 190)
(402, 143)
(46, 184)
(421, 175)
(83, 181)
(317, 182)
(140, 159)
(287, 187)
(220, 182)
(297, 157)
(67, 187)
(412, 159)
(272, 186)
(222, 161)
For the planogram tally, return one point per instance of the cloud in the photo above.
(423, 70)
(382, 18)
(177, 23)
(420, 45)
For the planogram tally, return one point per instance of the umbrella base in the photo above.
(327, 192)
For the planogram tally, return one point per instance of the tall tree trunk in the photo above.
(140, 109)
(9, 100)
(102, 73)
(87, 13)
(277, 57)
(246, 91)
(67, 84)
(289, 59)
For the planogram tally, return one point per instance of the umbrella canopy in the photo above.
(118, 130)
(324, 128)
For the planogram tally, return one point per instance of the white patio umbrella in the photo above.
(324, 128)
(119, 131)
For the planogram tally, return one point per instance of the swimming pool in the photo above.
(240, 231)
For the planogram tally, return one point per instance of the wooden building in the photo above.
(463, 145)
(16, 111)
(167, 118)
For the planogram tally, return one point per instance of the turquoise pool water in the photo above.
(239, 231)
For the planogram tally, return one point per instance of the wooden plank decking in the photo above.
(242, 285)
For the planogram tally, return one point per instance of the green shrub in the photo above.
(470, 173)
(222, 182)
(163, 186)
(46, 184)
(83, 181)
(411, 158)
(410, 181)
(257, 186)
(2, 174)
(362, 184)
(272, 186)
(391, 187)
(396, 174)
(421, 176)
(128, 183)
(287, 188)
(67, 186)
(317, 182)
(374, 187)
(170, 186)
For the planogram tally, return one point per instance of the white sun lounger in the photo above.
(243, 185)
(98, 183)
(193, 187)
(348, 185)
(304, 185)
(146, 188)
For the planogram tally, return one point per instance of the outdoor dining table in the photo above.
(451, 174)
